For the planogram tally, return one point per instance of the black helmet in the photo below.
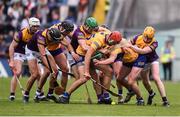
(67, 25)
(55, 34)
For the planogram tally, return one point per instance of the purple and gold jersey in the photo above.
(22, 39)
(79, 34)
(41, 38)
(32, 44)
(139, 42)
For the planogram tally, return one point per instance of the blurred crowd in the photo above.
(14, 15)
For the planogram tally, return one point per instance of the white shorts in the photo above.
(148, 65)
(70, 59)
(19, 56)
(30, 55)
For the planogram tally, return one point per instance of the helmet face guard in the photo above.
(34, 24)
(149, 32)
(55, 34)
(67, 26)
(114, 38)
(111, 42)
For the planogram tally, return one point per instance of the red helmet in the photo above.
(115, 37)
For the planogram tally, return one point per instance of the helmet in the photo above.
(115, 37)
(34, 22)
(104, 26)
(55, 34)
(91, 22)
(67, 25)
(149, 32)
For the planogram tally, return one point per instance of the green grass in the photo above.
(78, 103)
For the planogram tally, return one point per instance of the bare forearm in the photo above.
(88, 59)
(141, 51)
(106, 62)
(11, 52)
(70, 48)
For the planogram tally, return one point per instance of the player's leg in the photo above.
(73, 66)
(106, 81)
(116, 68)
(66, 95)
(35, 74)
(132, 82)
(121, 79)
(147, 84)
(75, 71)
(61, 61)
(34, 71)
(42, 80)
(13, 85)
(159, 83)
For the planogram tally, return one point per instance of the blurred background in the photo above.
(128, 16)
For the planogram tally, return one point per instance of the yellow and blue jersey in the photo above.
(96, 41)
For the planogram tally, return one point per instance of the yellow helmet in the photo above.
(149, 32)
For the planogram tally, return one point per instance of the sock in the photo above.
(151, 92)
(38, 92)
(130, 90)
(106, 96)
(99, 96)
(26, 94)
(66, 94)
(50, 92)
(120, 91)
(12, 93)
(42, 93)
(39, 89)
(139, 98)
(164, 99)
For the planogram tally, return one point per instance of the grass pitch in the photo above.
(78, 104)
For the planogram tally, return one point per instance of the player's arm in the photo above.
(106, 61)
(71, 50)
(82, 41)
(94, 46)
(42, 50)
(12, 47)
(146, 49)
(87, 60)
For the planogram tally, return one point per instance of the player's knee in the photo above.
(18, 72)
(156, 77)
(109, 73)
(130, 82)
(35, 75)
(46, 72)
(145, 82)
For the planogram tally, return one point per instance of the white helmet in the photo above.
(34, 22)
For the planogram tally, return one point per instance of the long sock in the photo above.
(66, 94)
(130, 90)
(151, 92)
(50, 92)
(106, 96)
(26, 94)
(12, 93)
(139, 98)
(99, 96)
(120, 91)
(164, 99)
